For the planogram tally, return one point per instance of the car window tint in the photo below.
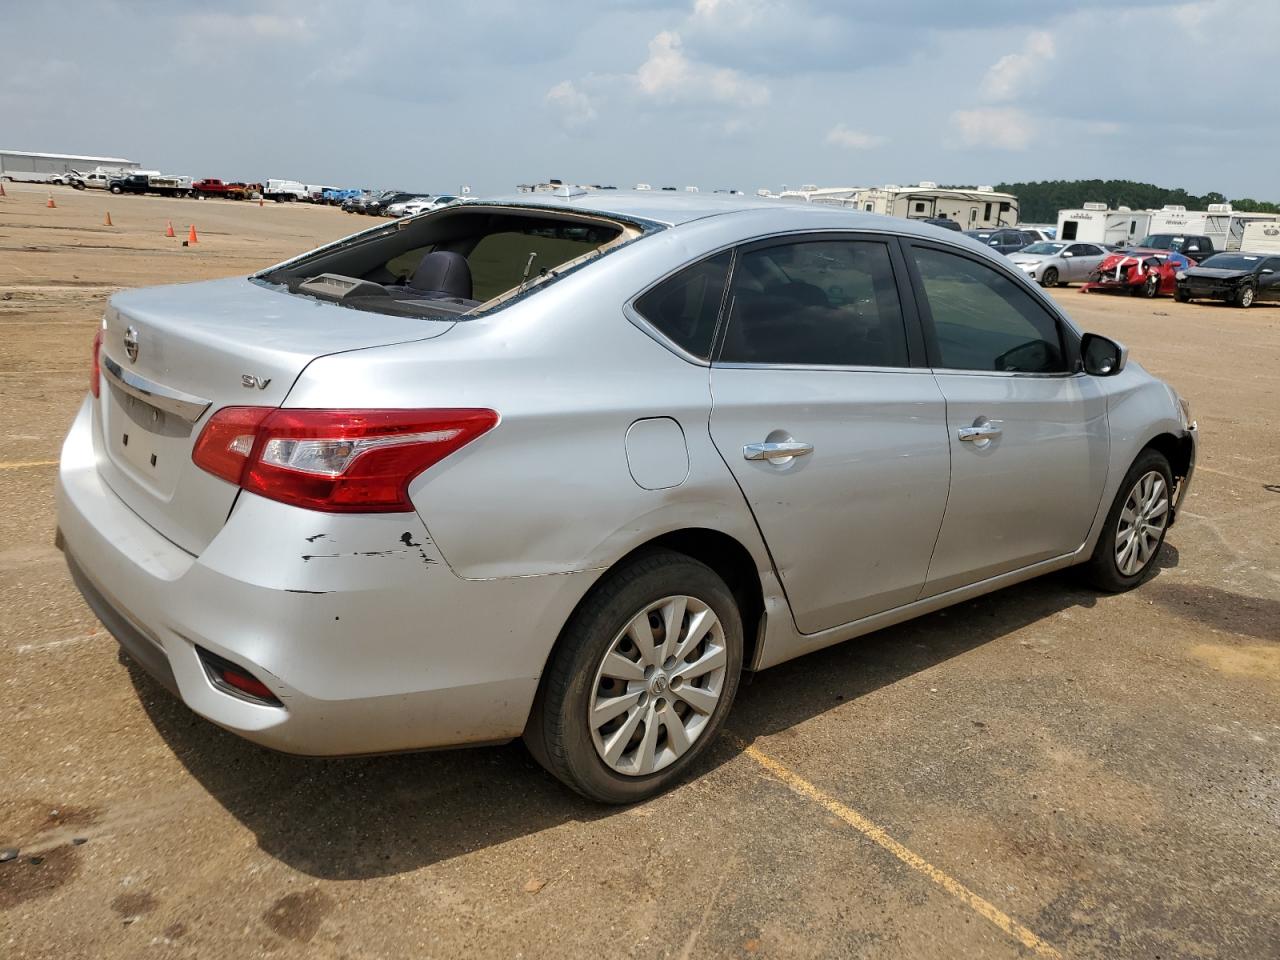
(684, 307)
(828, 302)
(983, 320)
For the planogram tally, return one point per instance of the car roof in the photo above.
(673, 209)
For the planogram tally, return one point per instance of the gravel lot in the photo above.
(1042, 772)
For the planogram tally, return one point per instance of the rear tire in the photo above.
(1049, 278)
(1245, 296)
(615, 652)
(117, 190)
(1135, 526)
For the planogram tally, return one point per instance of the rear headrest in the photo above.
(445, 273)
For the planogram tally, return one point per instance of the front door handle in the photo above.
(981, 431)
(774, 452)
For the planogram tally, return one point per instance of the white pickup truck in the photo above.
(284, 190)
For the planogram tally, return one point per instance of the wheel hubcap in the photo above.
(1142, 522)
(658, 686)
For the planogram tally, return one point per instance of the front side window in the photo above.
(983, 320)
(817, 302)
(684, 307)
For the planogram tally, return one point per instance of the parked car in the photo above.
(160, 185)
(1003, 240)
(1239, 278)
(415, 207)
(1142, 273)
(377, 207)
(397, 208)
(946, 223)
(1196, 248)
(212, 187)
(1054, 262)
(371, 499)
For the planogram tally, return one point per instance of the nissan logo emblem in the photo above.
(131, 343)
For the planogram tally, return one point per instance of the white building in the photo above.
(977, 209)
(1096, 223)
(1261, 236)
(1219, 223)
(39, 167)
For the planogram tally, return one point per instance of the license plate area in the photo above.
(149, 444)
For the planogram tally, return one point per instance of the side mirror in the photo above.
(994, 243)
(1193, 249)
(1102, 356)
(1068, 253)
(1267, 270)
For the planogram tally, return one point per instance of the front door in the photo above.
(1028, 433)
(838, 442)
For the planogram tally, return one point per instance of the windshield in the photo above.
(1160, 241)
(1043, 248)
(1232, 261)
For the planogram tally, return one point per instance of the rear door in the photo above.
(1269, 280)
(1027, 432)
(830, 422)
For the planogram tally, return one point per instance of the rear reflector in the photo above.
(235, 679)
(339, 461)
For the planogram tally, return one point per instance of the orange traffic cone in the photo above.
(191, 237)
(2, 193)
(259, 201)
(107, 220)
(168, 230)
(51, 205)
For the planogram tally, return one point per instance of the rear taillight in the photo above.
(95, 370)
(340, 461)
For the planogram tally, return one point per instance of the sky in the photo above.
(715, 93)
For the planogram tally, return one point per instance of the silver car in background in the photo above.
(1054, 263)
(564, 466)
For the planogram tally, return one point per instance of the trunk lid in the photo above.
(171, 356)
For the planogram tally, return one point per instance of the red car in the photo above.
(1146, 273)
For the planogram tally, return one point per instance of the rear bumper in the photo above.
(354, 622)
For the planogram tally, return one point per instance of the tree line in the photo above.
(1040, 201)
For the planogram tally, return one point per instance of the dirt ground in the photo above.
(1042, 772)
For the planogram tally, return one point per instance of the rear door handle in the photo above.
(983, 431)
(785, 450)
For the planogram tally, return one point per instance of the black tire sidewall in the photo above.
(566, 747)
(1103, 570)
(1045, 277)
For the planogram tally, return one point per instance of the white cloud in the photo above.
(575, 106)
(842, 136)
(1013, 72)
(1004, 128)
(669, 74)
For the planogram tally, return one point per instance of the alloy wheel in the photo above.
(1142, 523)
(658, 685)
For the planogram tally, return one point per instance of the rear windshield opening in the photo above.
(454, 262)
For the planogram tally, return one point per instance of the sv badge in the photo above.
(249, 381)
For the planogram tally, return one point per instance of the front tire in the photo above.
(640, 681)
(1049, 278)
(1181, 295)
(1245, 296)
(1151, 286)
(1135, 527)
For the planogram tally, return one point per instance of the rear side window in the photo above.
(684, 307)
(822, 302)
(982, 320)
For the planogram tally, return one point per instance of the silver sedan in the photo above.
(565, 466)
(1055, 263)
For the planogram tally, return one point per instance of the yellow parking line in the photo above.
(22, 464)
(878, 836)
